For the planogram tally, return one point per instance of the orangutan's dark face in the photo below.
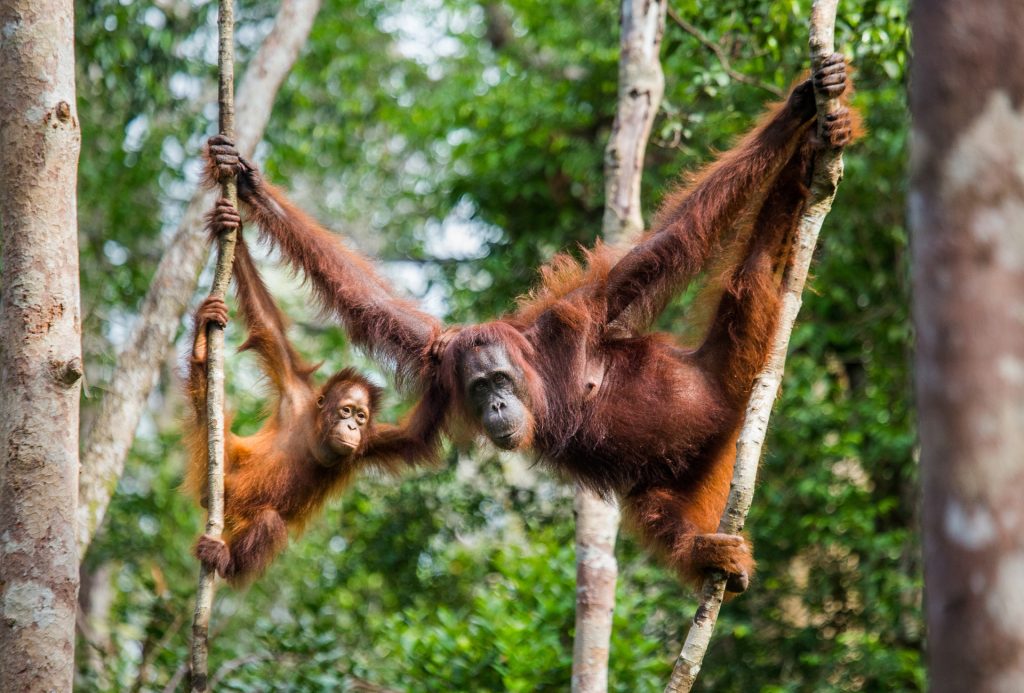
(495, 391)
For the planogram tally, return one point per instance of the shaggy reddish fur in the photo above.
(615, 409)
(391, 328)
(273, 481)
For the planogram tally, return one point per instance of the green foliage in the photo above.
(407, 125)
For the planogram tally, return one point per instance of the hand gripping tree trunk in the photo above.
(105, 445)
(828, 170)
(40, 345)
(966, 211)
(641, 85)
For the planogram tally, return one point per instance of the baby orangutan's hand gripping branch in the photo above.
(574, 373)
(309, 448)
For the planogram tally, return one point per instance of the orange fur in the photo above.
(611, 407)
(278, 478)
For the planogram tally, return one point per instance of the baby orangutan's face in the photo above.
(349, 417)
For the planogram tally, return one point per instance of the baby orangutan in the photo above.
(308, 449)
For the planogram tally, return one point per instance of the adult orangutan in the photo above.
(572, 373)
(310, 447)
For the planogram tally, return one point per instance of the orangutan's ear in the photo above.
(320, 402)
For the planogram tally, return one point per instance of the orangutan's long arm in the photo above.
(267, 327)
(394, 449)
(693, 219)
(374, 316)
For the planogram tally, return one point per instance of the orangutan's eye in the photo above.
(346, 412)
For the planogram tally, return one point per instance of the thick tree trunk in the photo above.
(40, 345)
(641, 85)
(107, 442)
(967, 221)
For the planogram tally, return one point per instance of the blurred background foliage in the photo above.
(462, 142)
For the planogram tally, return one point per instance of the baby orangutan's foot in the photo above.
(214, 554)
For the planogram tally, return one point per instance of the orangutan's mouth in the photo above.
(507, 441)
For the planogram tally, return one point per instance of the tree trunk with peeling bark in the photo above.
(40, 345)
(828, 170)
(967, 224)
(106, 444)
(641, 85)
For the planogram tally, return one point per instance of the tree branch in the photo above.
(107, 442)
(828, 170)
(723, 59)
(199, 677)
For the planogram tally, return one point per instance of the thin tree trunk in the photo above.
(641, 85)
(199, 677)
(828, 170)
(597, 523)
(966, 211)
(40, 345)
(107, 442)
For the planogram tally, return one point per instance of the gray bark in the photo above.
(107, 442)
(641, 85)
(40, 345)
(828, 170)
(967, 223)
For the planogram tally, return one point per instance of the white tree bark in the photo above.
(641, 85)
(828, 170)
(966, 212)
(40, 345)
(107, 442)
(597, 523)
